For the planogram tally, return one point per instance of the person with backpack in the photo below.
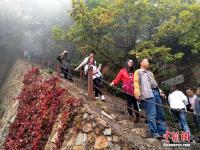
(126, 76)
(97, 77)
(65, 68)
(147, 92)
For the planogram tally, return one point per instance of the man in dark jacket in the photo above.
(65, 68)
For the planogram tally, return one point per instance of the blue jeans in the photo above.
(155, 114)
(181, 119)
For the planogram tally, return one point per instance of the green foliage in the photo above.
(160, 57)
(185, 28)
(161, 30)
(148, 49)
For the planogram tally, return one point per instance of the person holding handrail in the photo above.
(126, 76)
(147, 92)
(97, 77)
(178, 101)
(85, 61)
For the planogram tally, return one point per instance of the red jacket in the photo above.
(127, 81)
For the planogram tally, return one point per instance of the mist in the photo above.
(27, 24)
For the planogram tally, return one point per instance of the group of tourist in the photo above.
(181, 103)
(140, 87)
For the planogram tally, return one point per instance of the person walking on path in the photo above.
(191, 103)
(178, 101)
(147, 92)
(97, 77)
(65, 68)
(85, 61)
(126, 76)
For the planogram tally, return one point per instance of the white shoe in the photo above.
(97, 97)
(103, 97)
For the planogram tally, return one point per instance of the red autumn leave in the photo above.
(40, 102)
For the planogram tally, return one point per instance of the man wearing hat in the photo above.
(65, 68)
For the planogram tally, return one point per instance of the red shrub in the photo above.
(39, 104)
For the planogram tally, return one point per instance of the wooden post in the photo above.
(90, 82)
(81, 73)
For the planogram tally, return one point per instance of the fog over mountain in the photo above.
(27, 24)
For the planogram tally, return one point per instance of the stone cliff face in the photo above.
(7, 60)
(9, 91)
(95, 125)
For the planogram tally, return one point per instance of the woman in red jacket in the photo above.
(126, 76)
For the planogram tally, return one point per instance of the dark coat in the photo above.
(197, 109)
